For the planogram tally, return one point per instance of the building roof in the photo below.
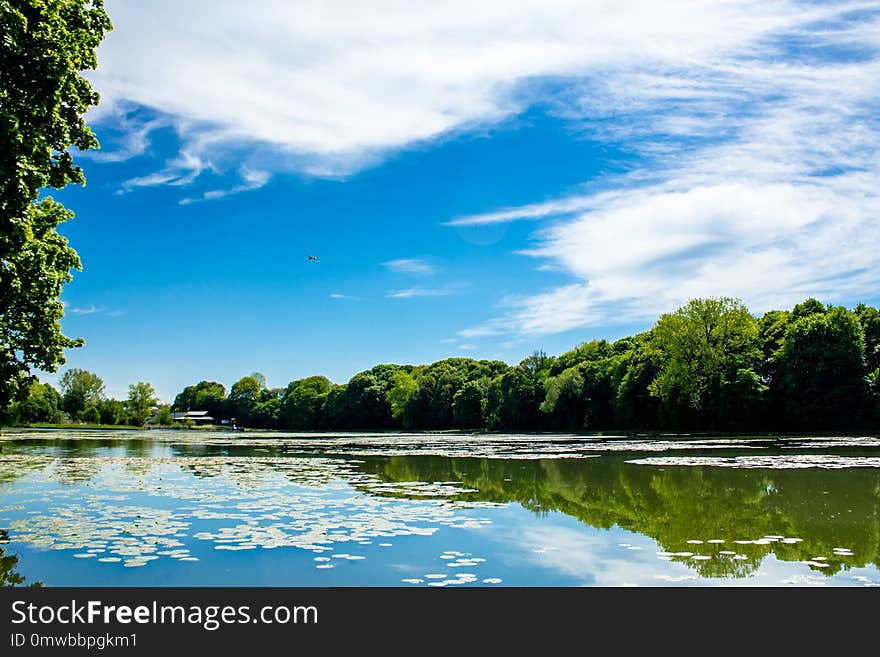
(191, 415)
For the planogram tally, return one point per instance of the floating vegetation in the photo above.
(775, 462)
(260, 502)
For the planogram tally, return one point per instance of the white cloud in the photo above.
(250, 180)
(410, 266)
(411, 292)
(85, 310)
(533, 211)
(780, 204)
(178, 172)
(328, 87)
(93, 310)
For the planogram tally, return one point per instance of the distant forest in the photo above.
(709, 366)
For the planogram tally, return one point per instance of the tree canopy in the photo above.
(46, 45)
(141, 399)
(81, 390)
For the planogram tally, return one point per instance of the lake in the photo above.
(196, 508)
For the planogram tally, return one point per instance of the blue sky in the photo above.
(477, 181)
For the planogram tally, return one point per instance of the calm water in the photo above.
(193, 508)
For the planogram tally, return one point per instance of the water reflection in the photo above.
(719, 511)
(797, 514)
(9, 575)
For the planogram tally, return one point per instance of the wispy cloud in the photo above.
(126, 132)
(410, 266)
(85, 310)
(179, 172)
(93, 310)
(412, 292)
(761, 181)
(534, 211)
(251, 180)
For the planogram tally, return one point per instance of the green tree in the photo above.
(635, 368)
(771, 336)
(469, 403)
(45, 45)
(41, 404)
(710, 348)
(588, 352)
(113, 412)
(141, 398)
(869, 318)
(303, 402)
(822, 370)
(162, 416)
(806, 308)
(266, 413)
(204, 396)
(873, 411)
(91, 415)
(513, 399)
(538, 364)
(565, 400)
(333, 412)
(366, 404)
(243, 398)
(403, 387)
(80, 389)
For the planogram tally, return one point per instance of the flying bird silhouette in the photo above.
(311, 257)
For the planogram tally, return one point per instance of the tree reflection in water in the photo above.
(8, 563)
(824, 508)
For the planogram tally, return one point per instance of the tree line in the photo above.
(81, 398)
(709, 366)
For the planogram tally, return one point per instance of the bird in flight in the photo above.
(311, 257)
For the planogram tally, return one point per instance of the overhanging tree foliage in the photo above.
(44, 47)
